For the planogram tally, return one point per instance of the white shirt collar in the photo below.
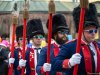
(35, 47)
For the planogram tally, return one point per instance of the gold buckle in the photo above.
(32, 69)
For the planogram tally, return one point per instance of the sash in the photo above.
(56, 51)
(88, 59)
(31, 62)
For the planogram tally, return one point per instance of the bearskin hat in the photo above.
(34, 27)
(90, 16)
(58, 23)
(19, 32)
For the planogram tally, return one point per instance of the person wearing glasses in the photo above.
(17, 60)
(59, 30)
(89, 57)
(35, 34)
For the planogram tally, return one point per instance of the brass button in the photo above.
(32, 69)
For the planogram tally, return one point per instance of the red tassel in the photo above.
(10, 72)
(24, 44)
(79, 37)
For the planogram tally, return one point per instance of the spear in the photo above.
(14, 23)
(51, 12)
(84, 5)
(25, 17)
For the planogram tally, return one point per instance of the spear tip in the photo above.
(84, 3)
(51, 7)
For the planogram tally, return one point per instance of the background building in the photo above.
(39, 9)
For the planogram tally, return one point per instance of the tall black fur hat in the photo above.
(19, 32)
(59, 23)
(90, 16)
(34, 27)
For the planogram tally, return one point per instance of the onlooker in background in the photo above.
(4, 51)
(5, 36)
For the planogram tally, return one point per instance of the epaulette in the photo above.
(70, 41)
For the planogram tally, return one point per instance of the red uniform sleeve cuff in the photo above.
(42, 71)
(18, 68)
(65, 63)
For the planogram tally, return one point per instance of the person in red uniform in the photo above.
(17, 60)
(88, 59)
(59, 32)
(35, 33)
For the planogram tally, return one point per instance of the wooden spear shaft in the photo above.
(25, 17)
(51, 11)
(10, 72)
(14, 21)
(79, 38)
(49, 37)
(24, 44)
(49, 40)
(84, 5)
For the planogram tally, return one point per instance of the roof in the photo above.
(41, 6)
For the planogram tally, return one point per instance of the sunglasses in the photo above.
(62, 32)
(21, 39)
(91, 31)
(38, 36)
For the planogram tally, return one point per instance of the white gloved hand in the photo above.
(11, 61)
(22, 63)
(9, 55)
(75, 59)
(46, 67)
